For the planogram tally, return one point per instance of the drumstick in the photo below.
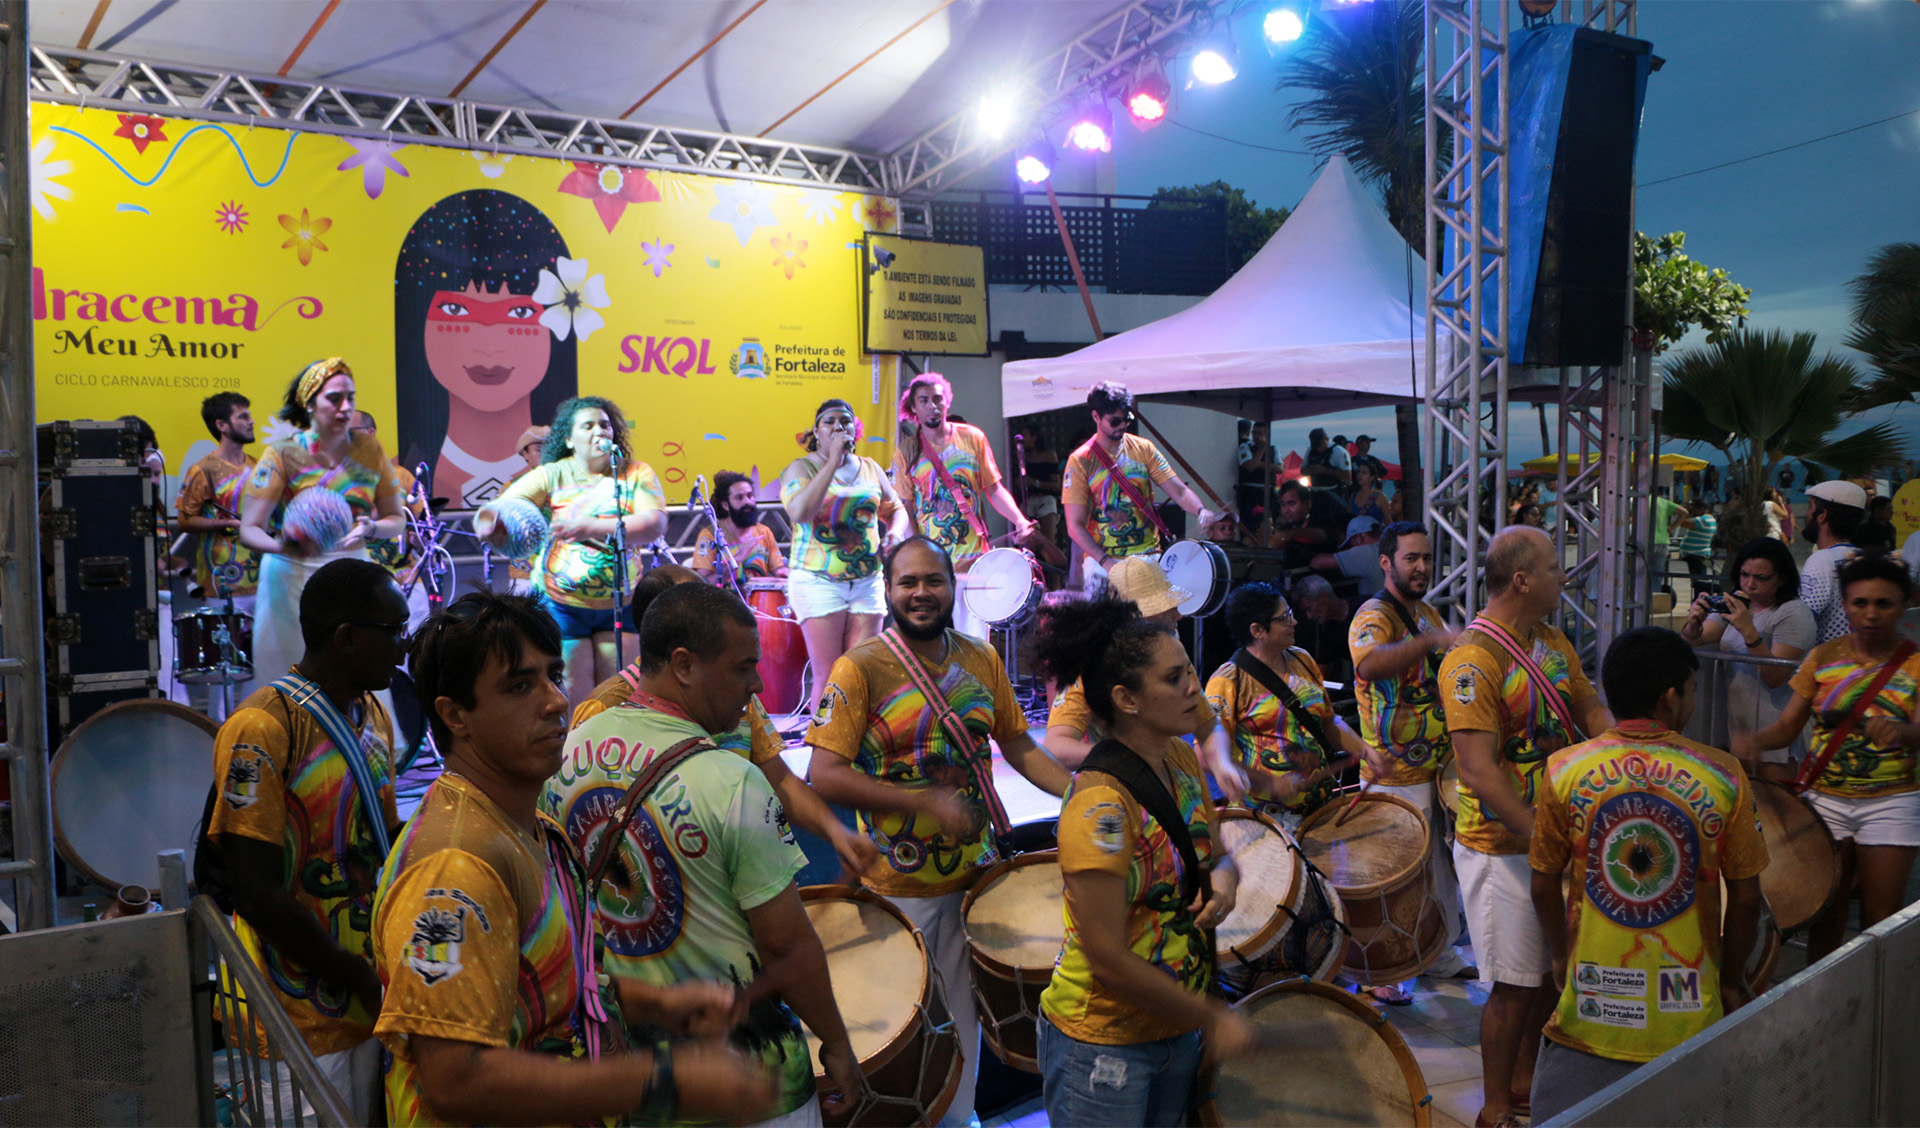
(1355, 802)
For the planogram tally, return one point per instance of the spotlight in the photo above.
(1033, 163)
(996, 115)
(1147, 96)
(1092, 129)
(1282, 25)
(1213, 67)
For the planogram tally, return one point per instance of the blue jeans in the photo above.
(585, 622)
(1145, 1084)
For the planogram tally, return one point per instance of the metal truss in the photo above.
(22, 642)
(1466, 248)
(92, 78)
(1047, 89)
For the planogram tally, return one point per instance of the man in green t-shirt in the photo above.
(703, 885)
(1666, 512)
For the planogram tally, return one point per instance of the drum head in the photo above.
(878, 968)
(1803, 867)
(1379, 846)
(1270, 873)
(130, 782)
(1200, 568)
(1000, 585)
(1322, 1060)
(1016, 916)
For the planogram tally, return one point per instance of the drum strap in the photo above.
(1401, 612)
(320, 707)
(637, 792)
(1143, 504)
(1556, 701)
(1811, 770)
(1111, 757)
(1264, 674)
(956, 730)
(946, 479)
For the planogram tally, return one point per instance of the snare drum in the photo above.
(1376, 861)
(1285, 921)
(783, 649)
(201, 642)
(1015, 922)
(1803, 863)
(1324, 1057)
(130, 782)
(891, 1001)
(1005, 586)
(1199, 567)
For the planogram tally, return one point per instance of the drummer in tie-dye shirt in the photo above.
(209, 502)
(1102, 519)
(483, 933)
(756, 551)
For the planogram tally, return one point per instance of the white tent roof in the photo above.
(1318, 321)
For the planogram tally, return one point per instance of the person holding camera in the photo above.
(1761, 614)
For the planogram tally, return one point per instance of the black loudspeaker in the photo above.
(1586, 250)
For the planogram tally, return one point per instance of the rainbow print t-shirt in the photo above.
(1401, 714)
(1650, 823)
(969, 462)
(214, 481)
(582, 573)
(282, 782)
(872, 715)
(1833, 677)
(1264, 733)
(758, 554)
(482, 936)
(842, 542)
(1117, 524)
(364, 477)
(1103, 829)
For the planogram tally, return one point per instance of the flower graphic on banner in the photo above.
(230, 217)
(373, 159)
(787, 253)
(611, 188)
(819, 206)
(42, 178)
(491, 164)
(571, 296)
(141, 129)
(876, 213)
(305, 234)
(657, 256)
(743, 207)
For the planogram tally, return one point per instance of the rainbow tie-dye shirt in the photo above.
(1264, 733)
(1402, 713)
(1833, 677)
(1117, 524)
(283, 783)
(482, 935)
(969, 462)
(576, 573)
(842, 542)
(215, 481)
(364, 477)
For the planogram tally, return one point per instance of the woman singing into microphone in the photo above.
(575, 571)
(837, 500)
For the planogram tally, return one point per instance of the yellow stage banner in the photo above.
(470, 292)
(926, 297)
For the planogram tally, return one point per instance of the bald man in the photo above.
(1514, 694)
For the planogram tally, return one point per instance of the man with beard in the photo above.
(901, 736)
(1396, 641)
(756, 551)
(943, 469)
(209, 502)
(1834, 510)
(1514, 694)
(700, 883)
(305, 816)
(1108, 489)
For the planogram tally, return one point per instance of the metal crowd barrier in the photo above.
(1717, 668)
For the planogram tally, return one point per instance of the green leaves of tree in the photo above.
(1674, 293)
(1886, 326)
(1249, 225)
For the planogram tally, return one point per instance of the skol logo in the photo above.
(676, 355)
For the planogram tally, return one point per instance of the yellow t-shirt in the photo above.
(756, 738)
(873, 716)
(364, 477)
(576, 573)
(758, 555)
(1117, 525)
(1103, 829)
(1401, 714)
(211, 481)
(1070, 711)
(1832, 678)
(1263, 733)
(479, 930)
(842, 542)
(969, 461)
(1651, 822)
(284, 783)
(1485, 690)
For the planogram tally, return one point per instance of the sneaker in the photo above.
(1391, 995)
(1507, 1120)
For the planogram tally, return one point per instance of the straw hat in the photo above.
(1141, 580)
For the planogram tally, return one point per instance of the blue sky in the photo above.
(1741, 77)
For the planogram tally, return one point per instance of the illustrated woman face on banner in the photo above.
(474, 366)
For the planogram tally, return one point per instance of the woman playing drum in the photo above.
(1861, 691)
(1764, 618)
(576, 572)
(1127, 1006)
(837, 500)
(325, 455)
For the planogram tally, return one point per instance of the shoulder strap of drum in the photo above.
(1401, 612)
(1111, 757)
(650, 778)
(1143, 504)
(1815, 765)
(1264, 674)
(946, 479)
(1556, 701)
(981, 766)
(310, 697)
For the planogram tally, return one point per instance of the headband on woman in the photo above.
(315, 376)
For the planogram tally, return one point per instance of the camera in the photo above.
(1717, 602)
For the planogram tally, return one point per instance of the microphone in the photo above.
(605, 446)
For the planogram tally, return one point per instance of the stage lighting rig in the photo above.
(1092, 128)
(1283, 25)
(1216, 59)
(1149, 94)
(996, 115)
(1033, 161)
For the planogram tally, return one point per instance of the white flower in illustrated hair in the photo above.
(41, 178)
(491, 164)
(571, 296)
(820, 206)
(744, 207)
(277, 430)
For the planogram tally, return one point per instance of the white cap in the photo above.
(1839, 492)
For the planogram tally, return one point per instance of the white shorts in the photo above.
(1497, 890)
(813, 596)
(1884, 820)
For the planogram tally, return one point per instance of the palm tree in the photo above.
(1761, 399)
(1886, 326)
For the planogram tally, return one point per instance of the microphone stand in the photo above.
(615, 465)
(723, 559)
